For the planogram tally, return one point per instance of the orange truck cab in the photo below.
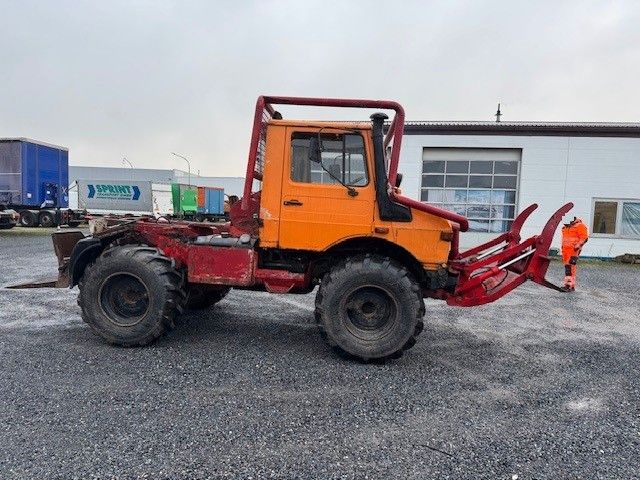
(323, 202)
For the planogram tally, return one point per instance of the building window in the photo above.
(630, 224)
(341, 160)
(617, 218)
(605, 215)
(479, 183)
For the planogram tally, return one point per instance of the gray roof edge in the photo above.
(616, 129)
(521, 123)
(36, 142)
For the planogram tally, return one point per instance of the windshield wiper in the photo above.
(350, 190)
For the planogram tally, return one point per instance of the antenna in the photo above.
(498, 114)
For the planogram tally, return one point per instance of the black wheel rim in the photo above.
(370, 312)
(124, 299)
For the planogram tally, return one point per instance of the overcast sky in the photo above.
(140, 79)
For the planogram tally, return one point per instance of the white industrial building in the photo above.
(489, 171)
(231, 185)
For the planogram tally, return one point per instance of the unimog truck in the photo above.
(321, 209)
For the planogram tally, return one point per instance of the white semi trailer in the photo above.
(106, 197)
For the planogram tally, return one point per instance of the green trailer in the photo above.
(185, 200)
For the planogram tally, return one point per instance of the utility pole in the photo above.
(188, 165)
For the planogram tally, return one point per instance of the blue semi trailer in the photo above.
(34, 180)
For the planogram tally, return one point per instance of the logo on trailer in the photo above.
(113, 192)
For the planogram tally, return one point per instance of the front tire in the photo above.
(370, 307)
(131, 295)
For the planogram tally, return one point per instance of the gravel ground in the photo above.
(538, 385)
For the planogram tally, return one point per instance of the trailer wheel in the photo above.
(27, 218)
(370, 307)
(201, 296)
(46, 219)
(131, 295)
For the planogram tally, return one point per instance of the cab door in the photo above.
(327, 192)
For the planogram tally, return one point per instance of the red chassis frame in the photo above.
(216, 265)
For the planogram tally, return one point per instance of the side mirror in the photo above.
(315, 150)
(398, 180)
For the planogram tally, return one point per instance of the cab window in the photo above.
(328, 158)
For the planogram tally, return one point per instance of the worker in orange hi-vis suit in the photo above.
(574, 235)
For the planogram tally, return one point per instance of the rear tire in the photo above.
(370, 307)
(131, 295)
(200, 297)
(46, 219)
(27, 218)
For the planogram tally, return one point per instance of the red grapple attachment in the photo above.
(490, 271)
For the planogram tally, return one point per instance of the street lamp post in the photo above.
(188, 165)
(124, 160)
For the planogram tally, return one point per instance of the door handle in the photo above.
(293, 203)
